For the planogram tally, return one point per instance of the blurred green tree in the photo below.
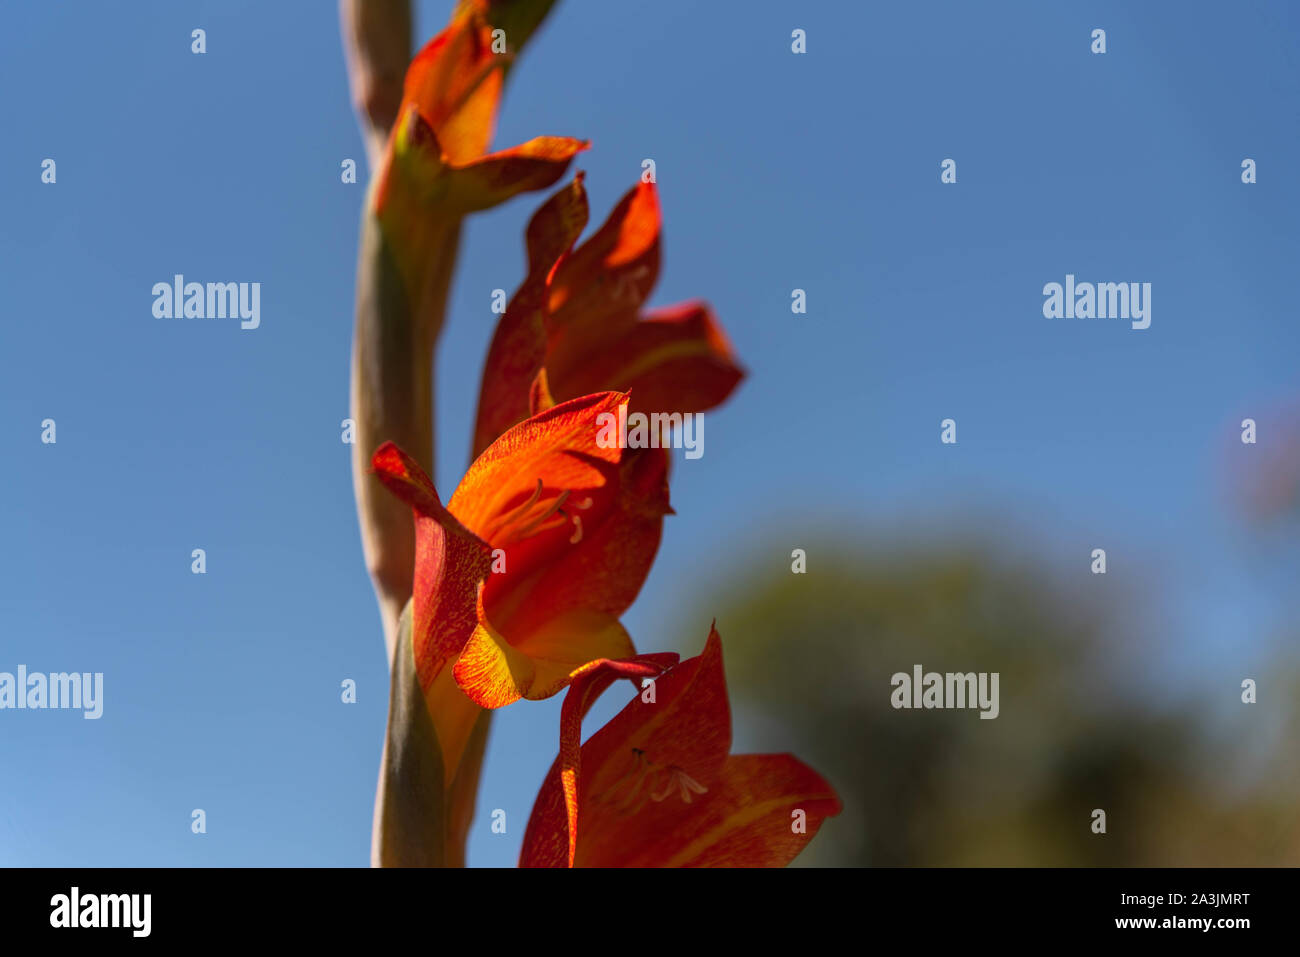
(810, 657)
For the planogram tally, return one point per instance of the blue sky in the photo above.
(776, 171)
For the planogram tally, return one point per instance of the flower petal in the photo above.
(544, 842)
(495, 673)
(673, 360)
(456, 78)
(494, 178)
(518, 350)
(455, 83)
(762, 812)
(557, 447)
(539, 394)
(450, 562)
(688, 722)
(655, 787)
(611, 272)
(605, 568)
(555, 227)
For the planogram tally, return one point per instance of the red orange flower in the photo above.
(576, 318)
(521, 578)
(657, 786)
(435, 167)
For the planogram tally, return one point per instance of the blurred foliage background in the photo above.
(1186, 772)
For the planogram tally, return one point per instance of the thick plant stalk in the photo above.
(409, 805)
(392, 400)
(419, 821)
(377, 46)
(392, 392)
(415, 824)
(392, 352)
